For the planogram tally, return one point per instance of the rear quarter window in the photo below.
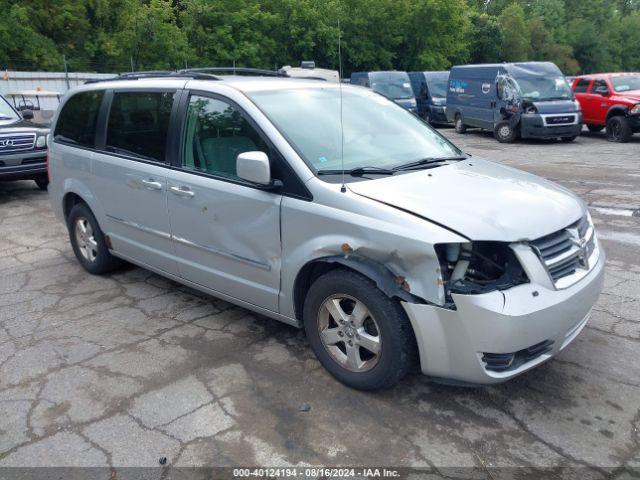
(77, 121)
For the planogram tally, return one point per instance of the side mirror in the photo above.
(27, 114)
(254, 167)
(604, 91)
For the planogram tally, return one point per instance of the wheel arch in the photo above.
(617, 110)
(393, 286)
(70, 200)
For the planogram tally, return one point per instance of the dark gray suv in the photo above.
(23, 146)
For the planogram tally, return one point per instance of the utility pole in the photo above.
(131, 58)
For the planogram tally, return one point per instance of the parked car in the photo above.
(368, 228)
(610, 100)
(513, 100)
(23, 146)
(393, 85)
(430, 90)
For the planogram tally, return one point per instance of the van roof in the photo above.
(528, 68)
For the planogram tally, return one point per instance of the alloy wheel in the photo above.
(349, 333)
(85, 239)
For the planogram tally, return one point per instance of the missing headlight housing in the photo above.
(478, 267)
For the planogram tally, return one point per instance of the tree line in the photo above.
(123, 35)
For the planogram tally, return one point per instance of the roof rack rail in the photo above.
(156, 74)
(259, 72)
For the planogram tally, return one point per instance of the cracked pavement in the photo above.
(118, 371)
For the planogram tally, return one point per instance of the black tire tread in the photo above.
(104, 262)
(399, 332)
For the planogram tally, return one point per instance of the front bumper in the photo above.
(533, 125)
(452, 342)
(25, 165)
(438, 114)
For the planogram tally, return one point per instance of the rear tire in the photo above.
(595, 128)
(459, 125)
(42, 183)
(505, 133)
(618, 129)
(347, 318)
(88, 242)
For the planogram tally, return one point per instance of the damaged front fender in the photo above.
(393, 248)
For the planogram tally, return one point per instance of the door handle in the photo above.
(151, 184)
(182, 192)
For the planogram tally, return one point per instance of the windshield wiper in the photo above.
(425, 163)
(359, 171)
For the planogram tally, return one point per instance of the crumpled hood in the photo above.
(631, 95)
(479, 199)
(556, 106)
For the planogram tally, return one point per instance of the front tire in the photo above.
(42, 182)
(618, 129)
(459, 124)
(505, 133)
(361, 336)
(88, 242)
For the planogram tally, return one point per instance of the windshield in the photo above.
(377, 132)
(6, 112)
(392, 86)
(438, 86)
(626, 83)
(536, 88)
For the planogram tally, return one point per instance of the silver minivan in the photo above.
(331, 208)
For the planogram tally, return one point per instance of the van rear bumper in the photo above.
(533, 126)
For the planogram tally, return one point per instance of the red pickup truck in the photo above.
(610, 100)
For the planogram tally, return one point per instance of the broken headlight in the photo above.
(478, 267)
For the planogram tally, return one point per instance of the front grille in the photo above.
(504, 362)
(566, 251)
(17, 143)
(559, 120)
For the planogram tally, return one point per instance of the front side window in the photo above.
(216, 133)
(625, 83)
(375, 131)
(139, 123)
(600, 87)
(77, 121)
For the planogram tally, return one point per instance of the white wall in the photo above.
(11, 81)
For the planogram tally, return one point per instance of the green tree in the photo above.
(149, 36)
(434, 34)
(515, 44)
(484, 38)
(23, 47)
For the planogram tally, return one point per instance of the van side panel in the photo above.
(472, 94)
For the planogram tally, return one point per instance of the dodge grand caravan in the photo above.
(382, 239)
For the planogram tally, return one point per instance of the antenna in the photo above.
(343, 188)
